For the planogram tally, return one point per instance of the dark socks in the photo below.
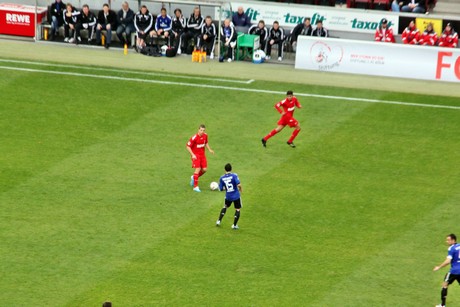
(237, 217)
(443, 296)
(222, 213)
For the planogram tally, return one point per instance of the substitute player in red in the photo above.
(196, 147)
(286, 107)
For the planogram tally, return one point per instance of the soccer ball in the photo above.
(258, 57)
(214, 186)
(163, 50)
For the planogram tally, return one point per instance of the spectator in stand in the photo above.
(207, 39)
(125, 18)
(57, 17)
(414, 6)
(275, 37)
(240, 19)
(449, 38)
(429, 36)
(228, 41)
(411, 35)
(304, 28)
(71, 17)
(106, 20)
(384, 33)
(261, 30)
(87, 21)
(162, 29)
(178, 26)
(320, 30)
(193, 30)
(143, 22)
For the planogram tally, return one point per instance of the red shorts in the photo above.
(200, 162)
(288, 121)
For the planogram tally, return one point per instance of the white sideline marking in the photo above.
(129, 71)
(233, 88)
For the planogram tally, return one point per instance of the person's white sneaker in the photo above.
(196, 189)
(218, 223)
(72, 40)
(211, 56)
(235, 227)
(179, 51)
(267, 57)
(280, 59)
(66, 40)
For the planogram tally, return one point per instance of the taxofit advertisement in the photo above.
(333, 18)
(378, 59)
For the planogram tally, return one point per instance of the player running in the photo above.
(196, 147)
(454, 260)
(286, 107)
(231, 183)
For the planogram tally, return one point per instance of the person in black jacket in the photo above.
(228, 38)
(125, 18)
(87, 21)
(178, 29)
(304, 28)
(194, 24)
(71, 17)
(207, 39)
(143, 22)
(275, 37)
(106, 20)
(261, 30)
(320, 30)
(56, 12)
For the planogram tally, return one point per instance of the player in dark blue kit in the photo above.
(454, 261)
(231, 183)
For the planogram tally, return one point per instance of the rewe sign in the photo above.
(12, 18)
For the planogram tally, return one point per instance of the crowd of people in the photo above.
(411, 35)
(184, 35)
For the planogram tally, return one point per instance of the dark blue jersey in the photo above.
(452, 253)
(230, 183)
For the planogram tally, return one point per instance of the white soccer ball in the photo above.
(258, 57)
(163, 50)
(214, 186)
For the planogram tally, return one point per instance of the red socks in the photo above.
(272, 133)
(294, 134)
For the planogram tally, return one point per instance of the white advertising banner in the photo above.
(333, 18)
(379, 59)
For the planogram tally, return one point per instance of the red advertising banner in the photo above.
(18, 19)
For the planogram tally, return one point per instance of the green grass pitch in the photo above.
(95, 204)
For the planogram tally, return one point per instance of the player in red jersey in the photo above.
(286, 107)
(196, 147)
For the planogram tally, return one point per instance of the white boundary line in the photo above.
(129, 71)
(233, 88)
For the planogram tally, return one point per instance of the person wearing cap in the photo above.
(449, 38)
(320, 31)
(429, 36)
(384, 33)
(411, 35)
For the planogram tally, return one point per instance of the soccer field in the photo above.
(95, 202)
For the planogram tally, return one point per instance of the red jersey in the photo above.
(448, 39)
(288, 106)
(429, 38)
(384, 35)
(410, 36)
(198, 143)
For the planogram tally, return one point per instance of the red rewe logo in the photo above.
(17, 19)
(442, 65)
